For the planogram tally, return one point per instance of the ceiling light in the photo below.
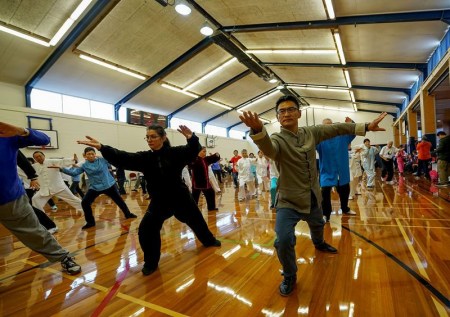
(354, 107)
(337, 39)
(291, 51)
(352, 96)
(182, 8)
(273, 80)
(320, 88)
(206, 29)
(174, 88)
(24, 36)
(330, 10)
(211, 73)
(347, 78)
(254, 101)
(279, 87)
(219, 104)
(112, 66)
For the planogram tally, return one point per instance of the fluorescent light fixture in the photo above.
(24, 36)
(182, 8)
(206, 29)
(352, 96)
(320, 88)
(71, 20)
(354, 107)
(331, 108)
(211, 73)
(258, 100)
(174, 88)
(347, 78)
(219, 104)
(330, 10)
(279, 87)
(337, 39)
(273, 80)
(291, 51)
(264, 120)
(111, 66)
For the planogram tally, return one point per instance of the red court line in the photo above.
(113, 291)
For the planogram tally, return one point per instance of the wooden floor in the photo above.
(393, 260)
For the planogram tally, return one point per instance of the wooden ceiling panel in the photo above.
(362, 7)
(311, 75)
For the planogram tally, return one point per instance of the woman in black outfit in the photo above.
(162, 168)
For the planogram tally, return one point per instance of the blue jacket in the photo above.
(98, 172)
(333, 160)
(11, 187)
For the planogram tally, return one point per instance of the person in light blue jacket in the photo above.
(100, 182)
(335, 170)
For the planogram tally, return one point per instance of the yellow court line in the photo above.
(129, 298)
(439, 307)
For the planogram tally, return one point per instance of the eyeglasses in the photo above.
(287, 110)
(153, 137)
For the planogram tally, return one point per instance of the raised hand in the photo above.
(252, 121)
(91, 142)
(8, 130)
(348, 120)
(373, 126)
(184, 130)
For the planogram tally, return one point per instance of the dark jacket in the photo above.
(199, 171)
(161, 168)
(26, 166)
(443, 150)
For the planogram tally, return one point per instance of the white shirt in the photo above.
(50, 178)
(243, 168)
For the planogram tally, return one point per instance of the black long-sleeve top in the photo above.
(161, 168)
(26, 166)
(199, 171)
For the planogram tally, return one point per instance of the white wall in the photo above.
(121, 135)
(12, 94)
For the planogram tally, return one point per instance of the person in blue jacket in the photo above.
(100, 182)
(335, 170)
(16, 213)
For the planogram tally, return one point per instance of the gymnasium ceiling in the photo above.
(385, 52)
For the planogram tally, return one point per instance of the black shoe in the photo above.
(216, 243)
(70, 266)
(215, 209)
(325, 247)
(131, 216)
(288, 285)
(88, 225)
(147, 271)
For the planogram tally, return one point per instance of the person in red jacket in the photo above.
(424, 156)
(200, 178)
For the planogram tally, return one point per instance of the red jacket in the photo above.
(424, 150)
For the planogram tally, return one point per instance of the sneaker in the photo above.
(326, 219)
(54, 208)
(69, 265)
(53, 230)
(288, 285)
(88, 225)
(131, 215)
(325, 247)
(147, 271)
(350, 197)
(350, 213)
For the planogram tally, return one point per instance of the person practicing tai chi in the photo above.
(101, 182)
(16, 213)
(162, 167)
(294, 151)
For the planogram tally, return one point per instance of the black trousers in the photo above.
(42, 216)
(90, 196)
(343, 192)
(179, 204)
(75, 188)
(388, 169)
(423, 168)
(218, 173)
(210, 196)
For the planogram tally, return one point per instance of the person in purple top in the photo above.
(16, 213)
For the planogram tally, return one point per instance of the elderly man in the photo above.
(294, 151)
(387, 154)
(443, 154)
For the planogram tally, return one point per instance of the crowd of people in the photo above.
(174, 177)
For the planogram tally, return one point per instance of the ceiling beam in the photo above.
(413, 66)
(197, 48)
(99, 7)
(383, 103)
(211, 92)
(435, 15)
